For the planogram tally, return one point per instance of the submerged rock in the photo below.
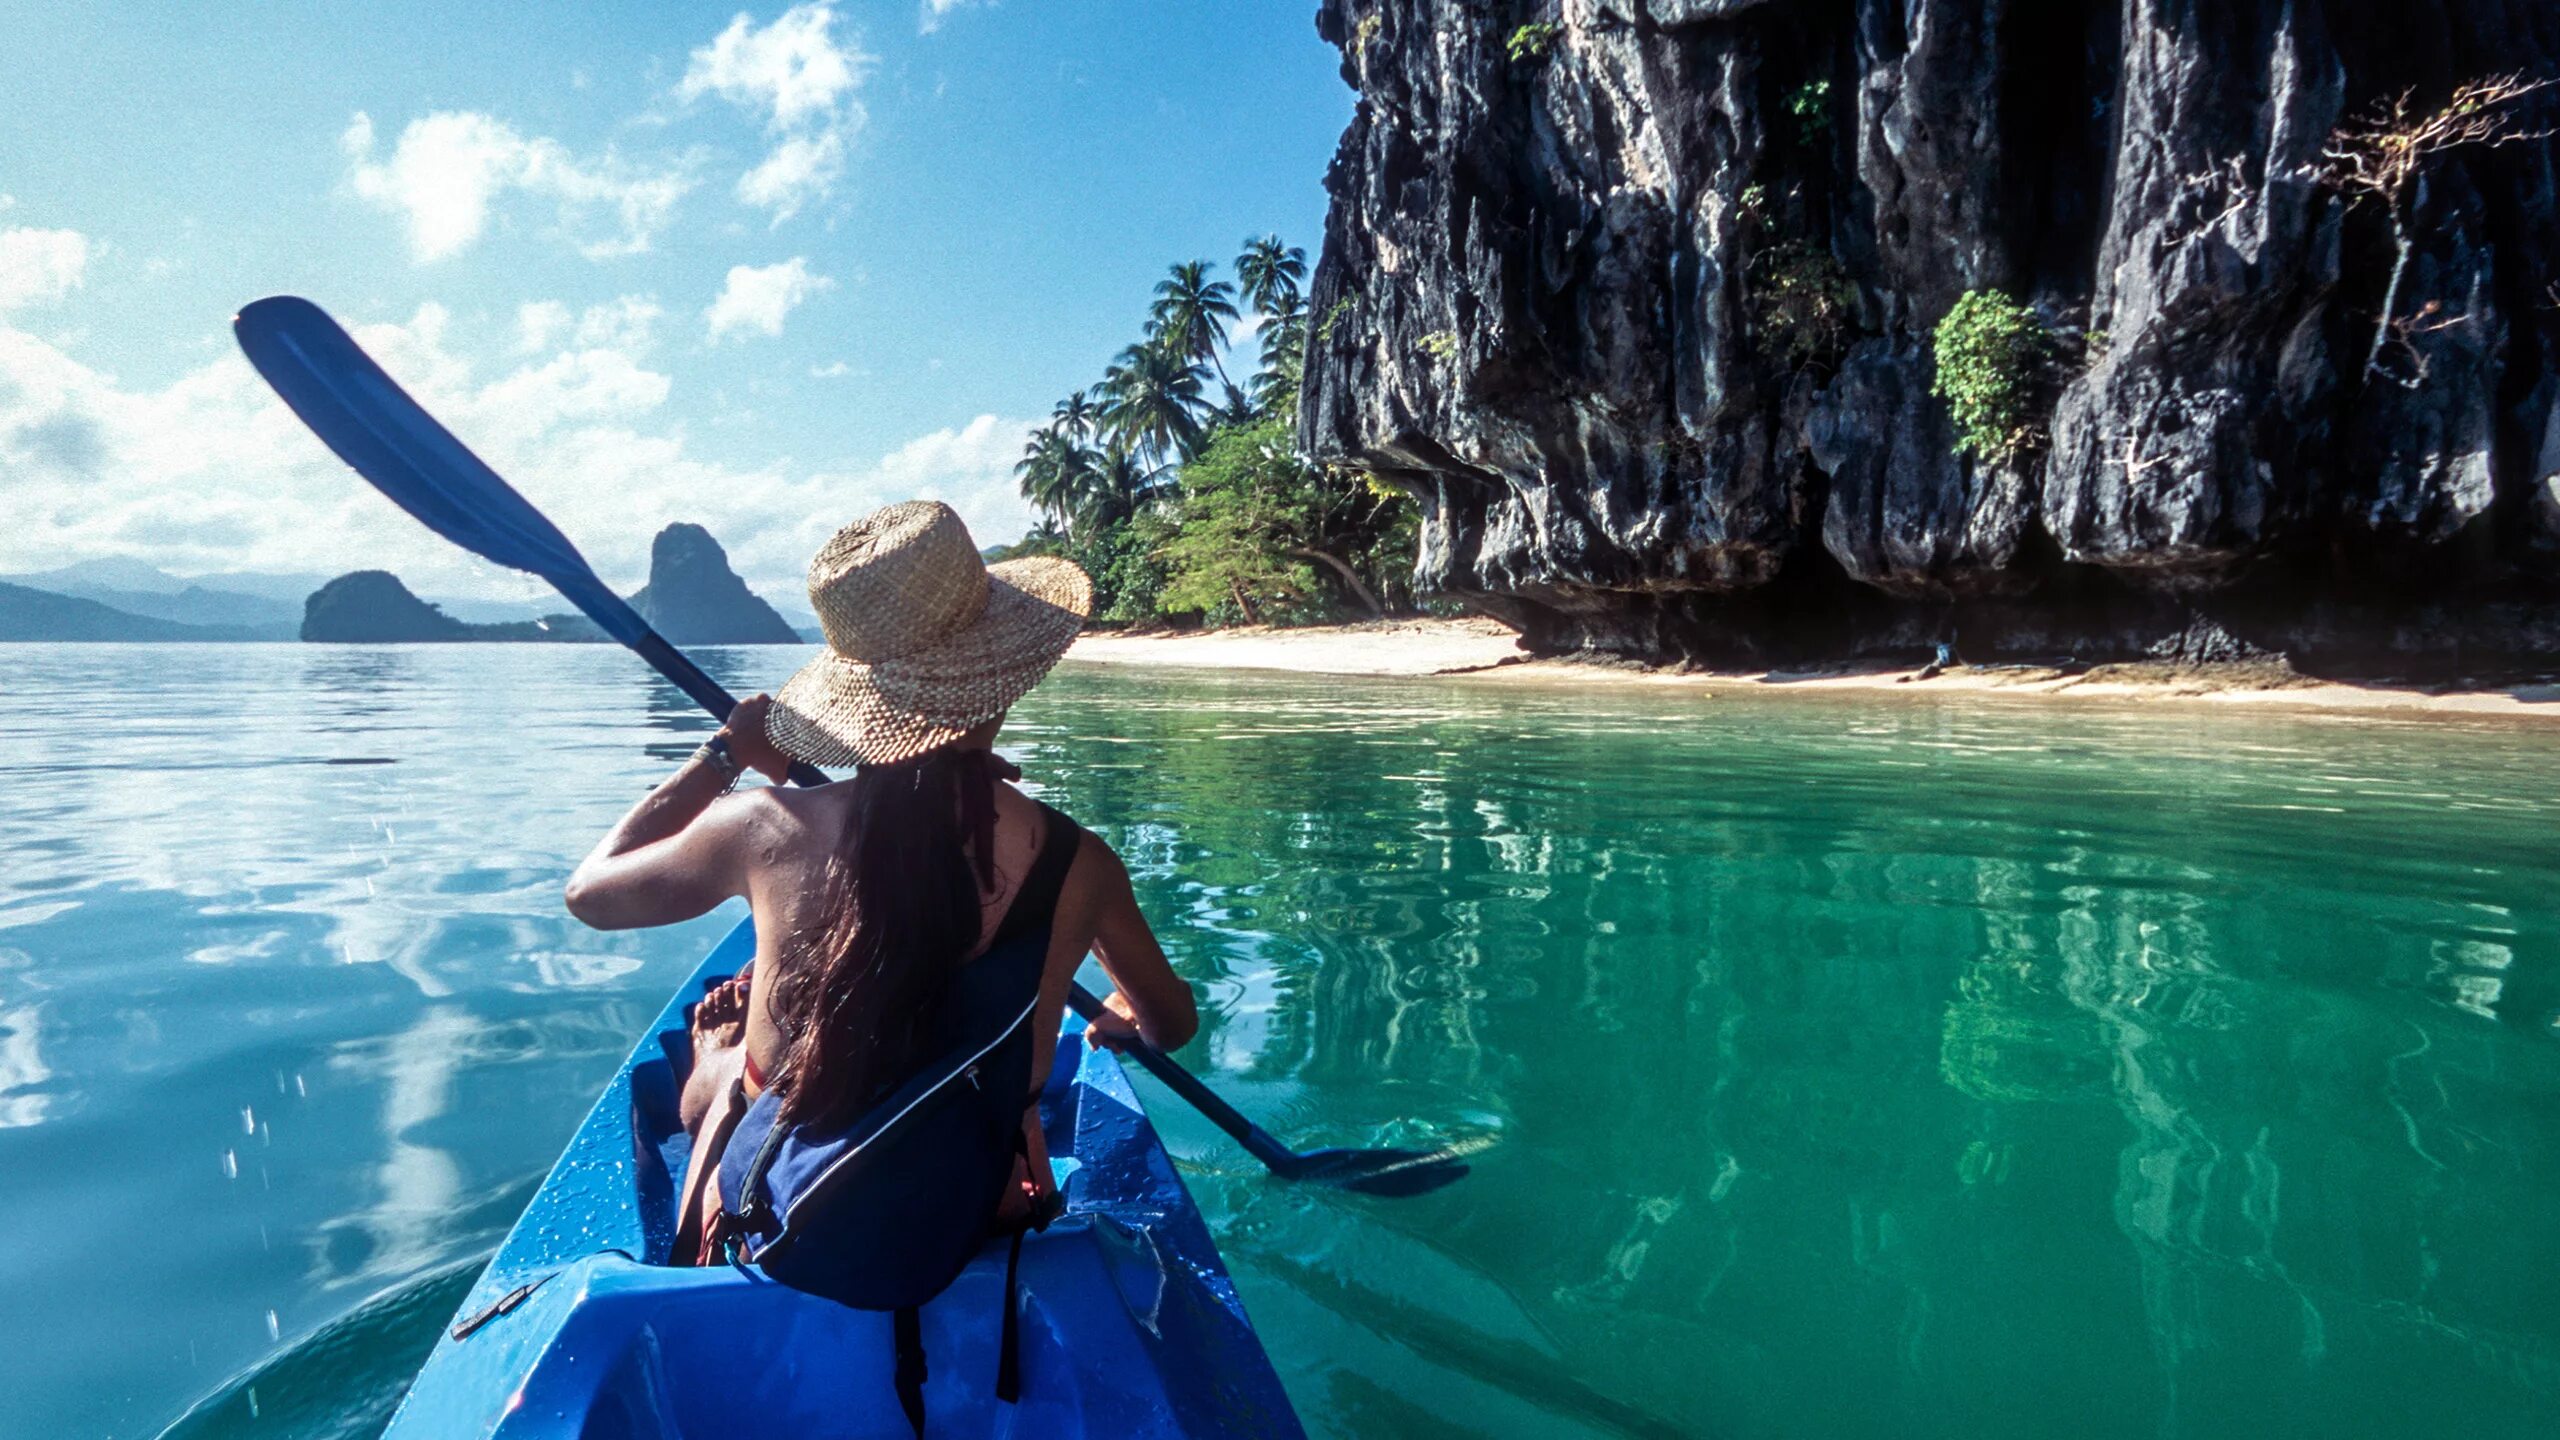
(1641, 310)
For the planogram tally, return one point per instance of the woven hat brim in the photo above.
(837, 711)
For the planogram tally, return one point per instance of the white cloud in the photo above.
(449, 170)
(212, 473)
(37, 266)
(755, 298)
(792, 69)
(832, 370)
(800, 169)
(929, 17)
(796, 76)
(537, 322)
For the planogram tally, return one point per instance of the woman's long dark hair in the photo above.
(857, 1009)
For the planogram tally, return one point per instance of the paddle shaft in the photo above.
(1282, 1160)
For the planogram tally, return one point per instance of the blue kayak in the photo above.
(1130, 1325)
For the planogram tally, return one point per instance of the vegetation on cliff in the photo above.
(1183, 504)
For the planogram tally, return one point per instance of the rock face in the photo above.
(1641, 309)
(694, 598)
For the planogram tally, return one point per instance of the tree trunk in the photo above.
(1350, 577)
(1251, 615)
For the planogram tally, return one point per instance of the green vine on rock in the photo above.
(1532, 41)
(1810, 103)
(1802, 303)
(1991, 353)
(1324, 329)
(1441, 345)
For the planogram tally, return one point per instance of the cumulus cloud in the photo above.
(801, 81)
(450, 169)
(800, 169)
(37, 266)
(628, 323)
(212, 473)
(755, 298)
(929, 17)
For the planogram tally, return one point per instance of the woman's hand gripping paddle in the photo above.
(390, 440)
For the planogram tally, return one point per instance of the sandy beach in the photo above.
(1481, 651)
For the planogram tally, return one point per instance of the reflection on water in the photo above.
(1884, 1066)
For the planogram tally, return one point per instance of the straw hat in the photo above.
(925, 640)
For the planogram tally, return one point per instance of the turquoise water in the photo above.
(1868, 1066)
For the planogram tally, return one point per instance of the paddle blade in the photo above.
(1380, 1172)
(362, 413)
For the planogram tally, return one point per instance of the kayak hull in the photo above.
(1129, 1324)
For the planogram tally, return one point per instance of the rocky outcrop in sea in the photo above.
(692, 598)
(1646, 301)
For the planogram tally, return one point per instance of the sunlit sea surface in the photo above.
(1871, 1066)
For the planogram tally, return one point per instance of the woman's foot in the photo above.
(719, 1026)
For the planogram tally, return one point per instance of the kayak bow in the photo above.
(1130, 1325)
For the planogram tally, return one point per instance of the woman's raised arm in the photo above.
(1147, 999)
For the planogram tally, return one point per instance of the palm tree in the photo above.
(1074, 415)
(1151, 400)
(1284, 351)
(1121, 482)
(1270, 272)
(1192, 312)
(1057, 473)
(1238, 409)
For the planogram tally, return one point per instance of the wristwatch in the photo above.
(716, 750)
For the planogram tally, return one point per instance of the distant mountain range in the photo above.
(693, 597)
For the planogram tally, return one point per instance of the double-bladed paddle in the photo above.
(362, 413)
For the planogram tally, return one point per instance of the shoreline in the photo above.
(1481, 651)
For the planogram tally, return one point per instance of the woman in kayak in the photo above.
(869, 894)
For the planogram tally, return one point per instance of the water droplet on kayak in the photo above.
(274, 1331)
(230, 1165)
(248, 1121)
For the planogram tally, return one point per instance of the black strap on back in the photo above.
(906, 1325)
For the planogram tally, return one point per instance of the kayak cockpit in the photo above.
(1129, 1325)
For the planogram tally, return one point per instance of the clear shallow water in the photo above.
(1847, 1066)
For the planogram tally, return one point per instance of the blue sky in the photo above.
(764, 269)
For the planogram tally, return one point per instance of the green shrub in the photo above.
(1810, 103)
(1533, 41)
(1991, 354)
(1802, 303)
(1332, 317)
(1441, 345)
(1127, 567)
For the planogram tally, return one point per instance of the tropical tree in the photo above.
(1238, 409)
(1120, 482)
(1057, 471)
(1270, 272)
(1254, 516)
(1284, 356)
(1077, 415)
(1151, 401)
(1192, 312)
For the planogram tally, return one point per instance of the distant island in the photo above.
(30, 614)
(692, 596)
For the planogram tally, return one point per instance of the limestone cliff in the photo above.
(1639, 298)
(694, 598)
